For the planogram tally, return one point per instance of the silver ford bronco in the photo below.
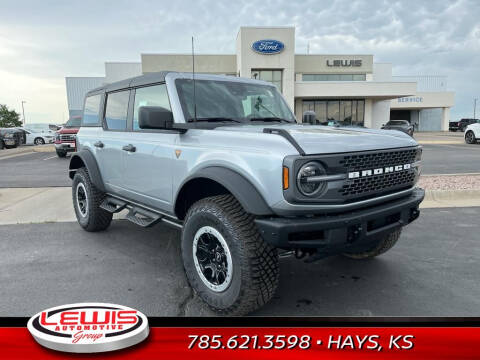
(224, 160)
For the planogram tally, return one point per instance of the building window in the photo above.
(337, 112)
(333, 77)
(272, 76)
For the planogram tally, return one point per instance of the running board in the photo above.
(113, 205)
(142, 217)
(139, 214)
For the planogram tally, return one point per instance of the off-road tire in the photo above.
(61, 153)
(470, 137)
(385, 244)
(255, 270)
(96, 219)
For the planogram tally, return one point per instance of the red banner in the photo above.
(274, 343)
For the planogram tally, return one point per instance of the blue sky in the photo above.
(42, 42)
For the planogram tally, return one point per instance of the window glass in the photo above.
(273, 76)
(149, 96)
(333, 77)
(116, 110)
(234, 100)
(360, 112)
(92, 108)
(336, 112)
(333, 114)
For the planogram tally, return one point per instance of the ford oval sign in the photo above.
(268, 47)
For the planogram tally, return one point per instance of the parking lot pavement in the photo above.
(36, 169)
(433, 271)
(450, 159)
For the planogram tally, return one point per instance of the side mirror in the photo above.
(154, 117)
(309, 117)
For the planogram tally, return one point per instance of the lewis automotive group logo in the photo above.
(89, 327)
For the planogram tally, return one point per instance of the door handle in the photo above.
(129, 148)
(99, 144)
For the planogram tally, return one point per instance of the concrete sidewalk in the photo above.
(54, 204)
(25, 149)
(439, 137)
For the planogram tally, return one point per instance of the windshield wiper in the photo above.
(214, 119)
(270, 119)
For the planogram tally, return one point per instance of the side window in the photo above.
(92, 107)
(116, 110)
(149, 96)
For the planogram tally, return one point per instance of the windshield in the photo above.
(397, 122)
(73, 122)
(232, 101)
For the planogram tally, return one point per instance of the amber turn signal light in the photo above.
(285, 178)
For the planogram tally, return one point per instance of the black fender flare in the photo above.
(242, 189)
(85, 158)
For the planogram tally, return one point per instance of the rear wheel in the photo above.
(39, 141)
(86, 202)
(382, 246)
(226, 261)
(470, 137)
(61, 153)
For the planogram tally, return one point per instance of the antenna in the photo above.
(193, 76)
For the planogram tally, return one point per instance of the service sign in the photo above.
(268, 47)
(89, 327)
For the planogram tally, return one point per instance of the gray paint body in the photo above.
(153, 175)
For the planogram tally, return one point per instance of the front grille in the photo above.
(376, 160)
(379, 183)
(68, 137)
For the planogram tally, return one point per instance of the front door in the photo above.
(148, 169)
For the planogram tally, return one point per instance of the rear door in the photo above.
(115, 136)
(148, 169)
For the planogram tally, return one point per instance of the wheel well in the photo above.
(194, 190)
(75, 163)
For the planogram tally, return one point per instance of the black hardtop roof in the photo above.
(146, 79)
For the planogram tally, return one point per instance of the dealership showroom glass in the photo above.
(343, 89)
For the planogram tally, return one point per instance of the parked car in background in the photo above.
(9, 134)
(461, 125)
(42, 128)
(38, 138)
(7, 139)
(66, 136)
(472, 133)
(401, 125)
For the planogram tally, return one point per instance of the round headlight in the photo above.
(306, 182)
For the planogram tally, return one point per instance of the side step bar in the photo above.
(140, 215)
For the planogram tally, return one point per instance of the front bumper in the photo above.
(335, 233)
(9, 142)
(65, 146)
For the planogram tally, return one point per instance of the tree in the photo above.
(9, 118)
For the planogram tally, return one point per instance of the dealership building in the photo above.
(350, 89)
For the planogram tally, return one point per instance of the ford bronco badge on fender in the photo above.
(223, 159)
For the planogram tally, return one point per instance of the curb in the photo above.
(450, 198)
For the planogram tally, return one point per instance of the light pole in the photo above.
(23, 112)
(474, 107)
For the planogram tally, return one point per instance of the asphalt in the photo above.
(450, 159)
(38, 169)
(46, 169)
(432, 271)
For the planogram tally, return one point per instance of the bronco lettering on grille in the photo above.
(378, 171)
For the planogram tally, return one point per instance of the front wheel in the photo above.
(470, 137)
(382, 246)
(61, 153)
(226, 261)
(86, 202)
